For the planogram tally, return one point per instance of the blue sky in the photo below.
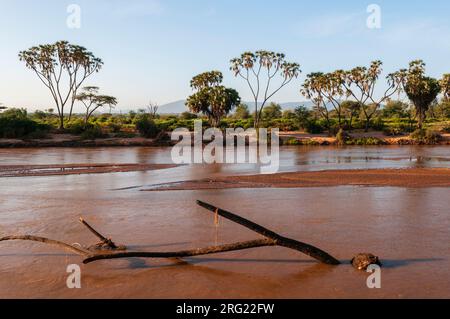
(152, 48)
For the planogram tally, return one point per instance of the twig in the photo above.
(104, 241)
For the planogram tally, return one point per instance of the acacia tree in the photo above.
(332, 87)
(211, 98)
(93, 101)
(445, 87)
(62, 67)
(325, 89)
(312, 89)
(259, 70)
(360, 83)
(420, 89)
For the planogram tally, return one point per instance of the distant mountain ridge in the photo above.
(178, 107)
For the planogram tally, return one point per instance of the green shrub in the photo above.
(92, 132)
(114, 127)
(292, 141)
(146, 126)
(366, 141)
(432, 137)
(310, 142)
(14, 123)
(188, 116)
(426, 136)
(314, 127)
(77, 126)
(378, 124)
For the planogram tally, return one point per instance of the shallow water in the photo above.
(408, 228)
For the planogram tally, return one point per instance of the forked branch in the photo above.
(271, 239)
(95, 253)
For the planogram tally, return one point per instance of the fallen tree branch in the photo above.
(78, 251)
(271, 239)
(278, 239)
(184, 253)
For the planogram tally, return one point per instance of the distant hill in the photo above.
(178, 107)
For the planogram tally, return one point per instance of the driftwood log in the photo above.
(106, 249)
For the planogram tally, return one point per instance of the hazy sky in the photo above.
(152, 48)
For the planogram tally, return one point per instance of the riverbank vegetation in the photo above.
(395, 120)
(345, 104)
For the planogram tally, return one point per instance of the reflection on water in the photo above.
(295, 157)
(407, 228)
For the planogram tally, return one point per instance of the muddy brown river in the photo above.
(408, 228)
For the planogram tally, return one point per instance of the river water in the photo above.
(408, 228)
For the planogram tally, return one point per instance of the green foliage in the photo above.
(421, 90)
(378, 124)
(272, 111)
(249, 66)
(54, 63)
(303, 117)
(314, 127)
(146, 126)
(365, 141)
(188, 116)
(210, 98)
(292, 141)
(76, 126)
(14, 123)
(395, 109)
(288, 114)
(92, 132)
(442, 110)
(242, 112)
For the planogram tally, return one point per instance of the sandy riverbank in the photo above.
(67, 140)
(76, 169)
(439, 177)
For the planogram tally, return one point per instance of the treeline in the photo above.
(393, 119)
(343, 100)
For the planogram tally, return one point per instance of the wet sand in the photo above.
(76, 169)
(419, 178)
